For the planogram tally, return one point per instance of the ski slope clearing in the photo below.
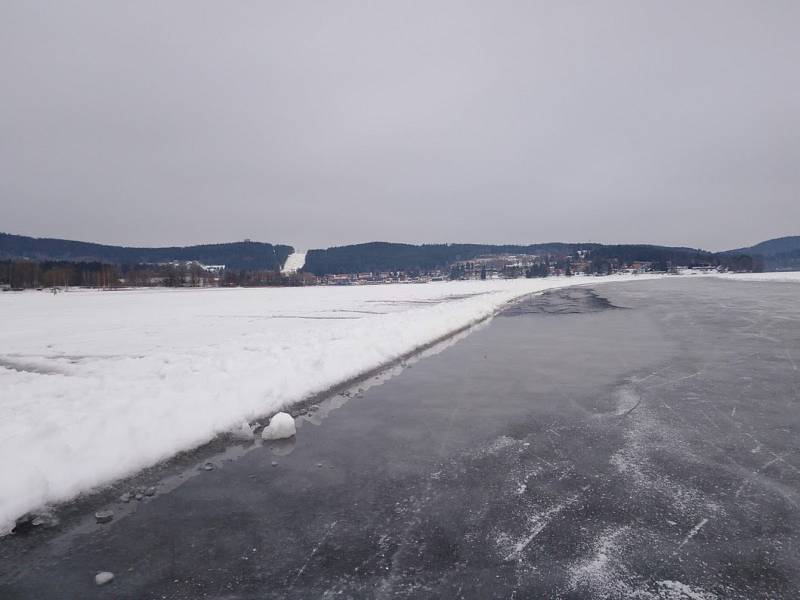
(97, 385)
(294, 262)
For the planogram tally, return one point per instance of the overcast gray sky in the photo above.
(324, 123)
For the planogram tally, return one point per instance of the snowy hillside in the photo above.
(294, 262)
(95, 385)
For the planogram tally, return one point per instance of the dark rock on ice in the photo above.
(104, 516)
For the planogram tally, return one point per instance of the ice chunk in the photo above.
(243, 431)
(280, 427)
(103, 577)
(104, 516)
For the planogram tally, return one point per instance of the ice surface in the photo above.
(97, 385)
(281, 426)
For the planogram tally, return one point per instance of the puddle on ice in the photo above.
(566, 301)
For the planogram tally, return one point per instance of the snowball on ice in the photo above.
(96, 385)
(280, 427)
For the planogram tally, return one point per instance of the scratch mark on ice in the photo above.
(691, 534)
(676, 380)
(778, 458)
(791, 360)
(315, 549)
(540, 522)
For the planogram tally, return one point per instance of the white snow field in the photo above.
(96, 385)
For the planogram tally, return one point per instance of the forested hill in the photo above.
(657, 254)
(778, 254)
(772, 247)
(386, 256)
(783, 253)
(236, 255)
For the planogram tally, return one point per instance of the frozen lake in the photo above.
(97, 385)
(613, 442)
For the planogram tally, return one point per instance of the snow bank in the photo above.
(97, 385)
(781, 277)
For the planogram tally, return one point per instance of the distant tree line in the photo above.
(377, 257)
(21, 274)
(606, 260)
(387, 257)
(784, 261)
(24, 274)
(659, 255)
(539, 269)
(245, 278)
(381, 257)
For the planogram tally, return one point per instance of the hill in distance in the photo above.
(235, 255)
(388, 256)
(777, 254)
(772, 247)
(384, 256)
(782, 253)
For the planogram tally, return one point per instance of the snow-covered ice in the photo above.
(281, 426)
(779, 276)
(97, 385)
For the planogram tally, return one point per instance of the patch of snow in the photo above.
(603, 574)
(779, 276)
(675, 590)
(644, 436)
(280, 427)
(243, 431)
(126, 379)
